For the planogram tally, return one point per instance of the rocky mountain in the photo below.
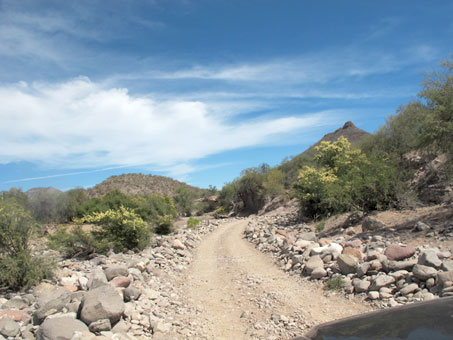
(138, 184)
(349, 131)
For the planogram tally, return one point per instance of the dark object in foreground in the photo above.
(431, 320)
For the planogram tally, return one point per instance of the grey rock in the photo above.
(423, 273)
(131, 293)
(447, 265)
(97, 279)
(100, 326)
(429, 258)
(46, 293)
(15, 303)
(409, 289)
(371, 224)
(318, 273)
(308, 236)
(420, 226)
(401, 265)
(8, 327)
(363, 268)
(62, 328)
(444, 277)
(382, 281)
(51, 307)
(361, 286)
(102, 303)
(313, 263)
(347, 263)
(115, 271)
(373, 295)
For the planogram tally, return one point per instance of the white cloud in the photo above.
(81, 124)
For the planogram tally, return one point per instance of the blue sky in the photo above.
(199, 90)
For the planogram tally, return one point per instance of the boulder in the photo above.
(409, 289)
(131, 293)
(16, 315)
(361, 286)
(62, 328)
(8, 327)
(447, 265)
(318, 273)
(363, 268)
(401, 265)
(46, 292)
(50, 308)
(177, 244)
(397, 252)
(420, 226)
(101, 325)
(347, 263)
(429, 258)
(313, 263)
(97, 279)
(308, 236)
(102, 303)
(382, 281)
(444, 277)
(121, 281)
(356, 252)
(371, 224)
(115, 271)
(423, 273)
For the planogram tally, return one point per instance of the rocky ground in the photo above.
(218, 281)
(119, 296)
(365, 257)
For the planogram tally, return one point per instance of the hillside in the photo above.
(349, 131)
(139, 184)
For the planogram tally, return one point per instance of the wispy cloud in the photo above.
(80, 124)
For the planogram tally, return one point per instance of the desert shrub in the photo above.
(151, 206)
(192, 222)
(113, 200)
(273, 183)
(346, 180)
(164, 225)
(228, 198)
(184, 201)
(122, 228)
(18, 267)
(76, 242)
(334, 284)
(24, 270)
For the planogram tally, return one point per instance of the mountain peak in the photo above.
(348, 125)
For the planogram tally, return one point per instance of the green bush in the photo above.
(346, 180)
(18, 267)
(164, 225)
(76, 242)
(122, 228)
(24, 270)
(192, 222)
(334, 284)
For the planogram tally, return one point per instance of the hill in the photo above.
(349, 131)
(140, 184)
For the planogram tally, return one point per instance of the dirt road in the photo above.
(242, 294)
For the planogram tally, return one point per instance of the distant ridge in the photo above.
(140, 184)
(33, 192)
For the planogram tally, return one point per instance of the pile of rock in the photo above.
(389, 274)
(119, 296)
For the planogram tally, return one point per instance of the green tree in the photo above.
(437, 91)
